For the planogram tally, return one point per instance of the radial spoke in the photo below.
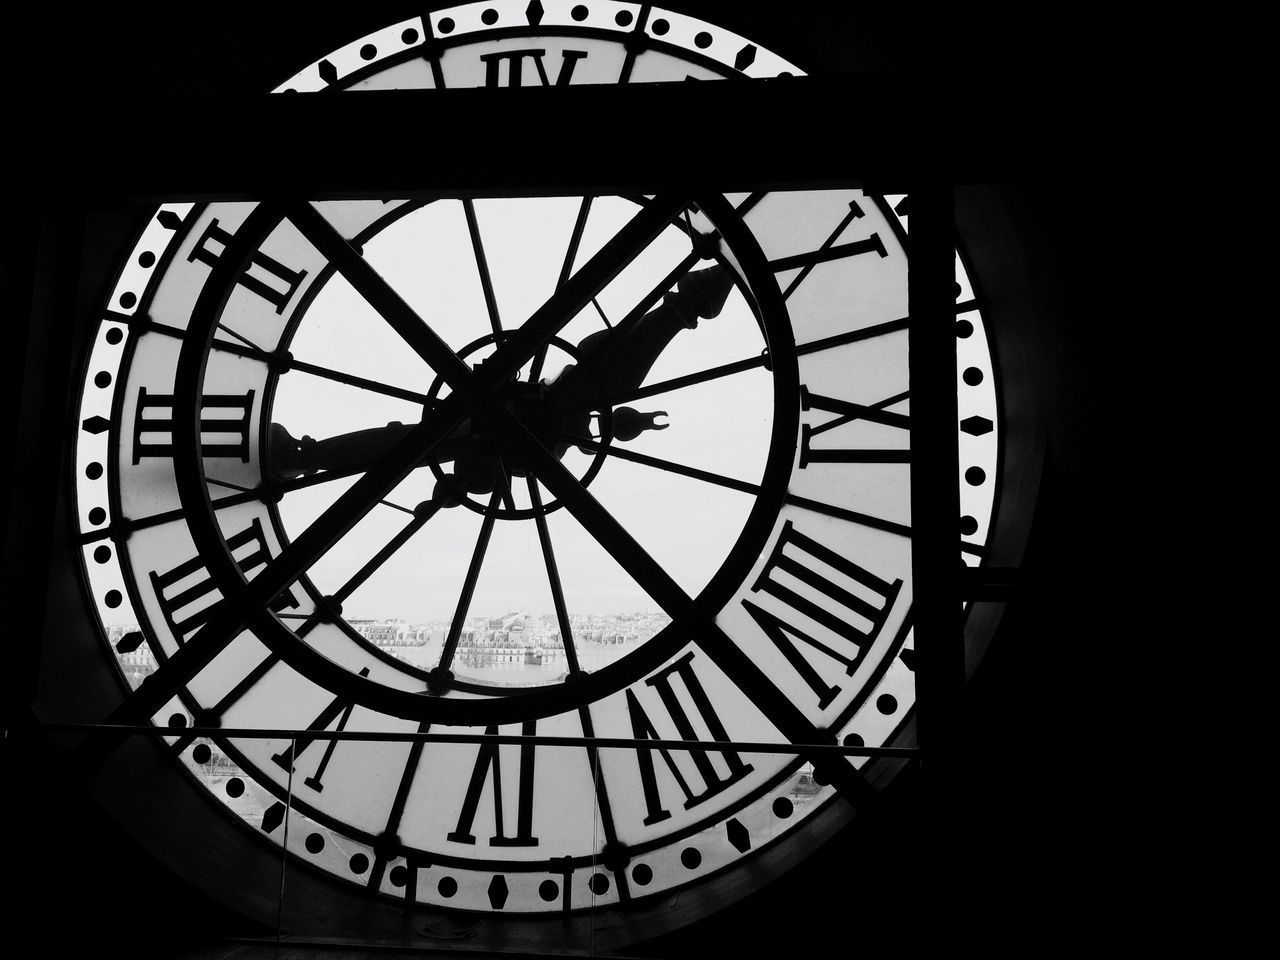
(553, 578)
(469, 585)
(482, 265)
(504, 477)
(688, 380)
(373, 386)
(243, 339)
(288, 363)
(379, 294)
(575, 240)
(667, 465)
(570, 255)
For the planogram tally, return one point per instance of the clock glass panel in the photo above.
(605, 467)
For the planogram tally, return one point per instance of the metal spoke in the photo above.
(751, 363)
(571, 254)
(482, 265)
(553, 577)
(287, 363)
(379, 294)
(670, 466)
(688, 380)
(469, 585)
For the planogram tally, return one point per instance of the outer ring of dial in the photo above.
(540, 701)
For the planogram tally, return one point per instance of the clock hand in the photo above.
(619, 359)
(288, 457)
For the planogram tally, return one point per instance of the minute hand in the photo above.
(618, 360)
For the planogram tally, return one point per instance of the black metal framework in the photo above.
(943, 580)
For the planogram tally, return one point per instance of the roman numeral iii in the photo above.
(225, 420)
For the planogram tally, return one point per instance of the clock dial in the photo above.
(632, 468)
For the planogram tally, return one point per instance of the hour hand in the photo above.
(617, 360)
(288, 457)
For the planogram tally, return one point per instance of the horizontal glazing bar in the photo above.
(607, 743)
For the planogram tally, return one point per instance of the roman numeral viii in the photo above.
(846, 635)
(707, 780)
(184, 591)
(270, 279)
(225, 420)
(814, 451)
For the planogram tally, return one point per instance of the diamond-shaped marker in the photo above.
(533, 12)
(498, 891)
(976, 426)
(169, 219)
(739, 836)
(908, 658)
(746, 56)
(130, 642)
(273, 816)
(328, 72)
(96, 424)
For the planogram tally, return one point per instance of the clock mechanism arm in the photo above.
(616, 359)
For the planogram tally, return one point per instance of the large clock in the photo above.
(600, 470)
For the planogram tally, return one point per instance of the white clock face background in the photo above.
(821, 611)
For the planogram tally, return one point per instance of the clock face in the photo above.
(630, 468)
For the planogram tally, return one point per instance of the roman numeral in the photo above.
(846, 412)
(829, 250)
(489, 759)
(852, 631)
(289, 755)
(224, 425)
(283, 283)
(184, 607)
(515, 67)
(642, 728)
